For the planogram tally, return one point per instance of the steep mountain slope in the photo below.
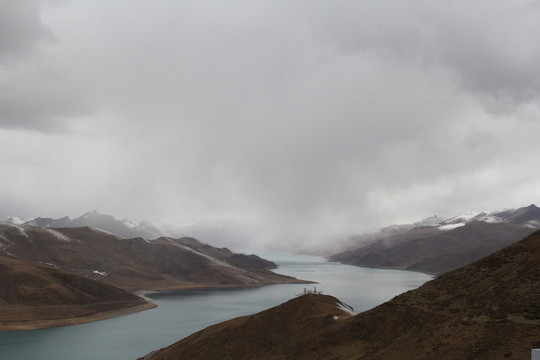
(433, 251)
(34, 296)
(486, 310)
(134, 264)
(444, 246)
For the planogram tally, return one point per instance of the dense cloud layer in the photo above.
(307, 120)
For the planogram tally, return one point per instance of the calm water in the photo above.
(182, 313)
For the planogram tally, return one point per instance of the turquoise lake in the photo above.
(181, 313)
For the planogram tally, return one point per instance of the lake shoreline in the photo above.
(53, 323)
(144, 294)
(181, 314)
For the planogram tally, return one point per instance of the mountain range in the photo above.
(217, 231)
(60, 276)
(124, 228)
(137, 263)
(437, 247)
(485, 310)
(526, 216)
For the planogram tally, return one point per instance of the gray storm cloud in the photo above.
(308, 120)
(20, 28)
(38, 88)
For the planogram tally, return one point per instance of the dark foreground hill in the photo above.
(487, 310)
(34, 296)
(275, 331)
(135, 264)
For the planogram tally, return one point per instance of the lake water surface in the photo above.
(183, 312)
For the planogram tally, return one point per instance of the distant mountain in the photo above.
(14, 220)
(358, 240)
(216, 231)
(134, 264)
(50, 222)
(486, 310)
(435, 251)
(442, 246)
(526, 216)
(430, 221)
(36, 296)
(124, 228)
(221, 232)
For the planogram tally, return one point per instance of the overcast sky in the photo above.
(308, 120)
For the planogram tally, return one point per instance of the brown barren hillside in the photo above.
(137, 264)
(432, 251)
(34, 296)
(487, 310)
(263, 335)
(53, 277)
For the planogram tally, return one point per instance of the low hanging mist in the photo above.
(280, 125)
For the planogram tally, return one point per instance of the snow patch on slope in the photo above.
(468, 217)
(430, 221)
(534, 224)
(465, 217)
(103, 231)
(451, 226)
(212, 259)
(58, 235)
(129, 223)
(240, 273)
(347, 308)
(20, 229)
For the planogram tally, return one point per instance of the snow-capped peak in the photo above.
(528, 216)
(430, 221)
(130, 223)
(14, 220)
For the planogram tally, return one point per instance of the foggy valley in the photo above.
(269, 179)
